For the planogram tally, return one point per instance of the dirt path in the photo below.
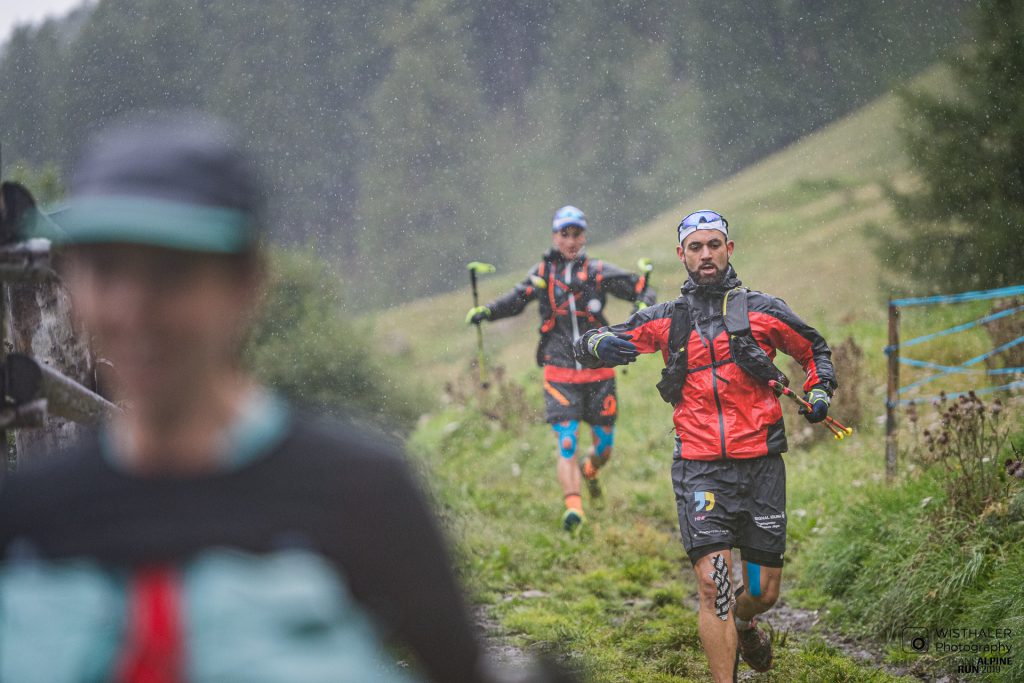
(790, 624)
(794, 623)
(499, 649)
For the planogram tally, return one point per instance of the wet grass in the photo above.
(899, 556)
(617, 599)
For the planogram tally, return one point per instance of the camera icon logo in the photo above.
(914, 640)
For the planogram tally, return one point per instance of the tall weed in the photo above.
(965, 437)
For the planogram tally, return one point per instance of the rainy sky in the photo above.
(17, 12)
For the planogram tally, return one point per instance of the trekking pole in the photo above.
(839, 431)
(474, 268)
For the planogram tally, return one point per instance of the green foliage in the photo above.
(44, 183)
(303, 346)
(619, 596)
(421, 176)
(961, 228)
(904, 555)
(774, 71)
(966, 438)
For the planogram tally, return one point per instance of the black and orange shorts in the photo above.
(591, 402)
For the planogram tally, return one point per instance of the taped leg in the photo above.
(568, 472)
(720, 576)
(714, 589)
(604, 439)
(566, 434)
(762, 583)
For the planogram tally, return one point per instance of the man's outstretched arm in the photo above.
(511, 303)
(796, 338)
(646, 331)
(628, 286)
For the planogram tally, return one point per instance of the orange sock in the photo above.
(573, 502)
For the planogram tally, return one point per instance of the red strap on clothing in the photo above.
(154, 649)
(553, 373)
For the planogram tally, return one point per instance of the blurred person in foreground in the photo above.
(719, 340)
(208, 532)
(571, 290)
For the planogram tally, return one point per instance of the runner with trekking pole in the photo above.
(718, 340)
(571, 290)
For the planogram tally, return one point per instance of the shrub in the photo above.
(304, 346)
(965, 437)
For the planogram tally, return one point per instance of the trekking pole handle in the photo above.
(472, 280)
(835, 426)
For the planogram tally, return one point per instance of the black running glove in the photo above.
(819, 400)
(613, 349)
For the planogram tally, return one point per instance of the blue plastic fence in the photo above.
(966, 366)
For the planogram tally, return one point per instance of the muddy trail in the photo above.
(788, 625)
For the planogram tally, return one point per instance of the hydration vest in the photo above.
(589, 287)
(743, 348)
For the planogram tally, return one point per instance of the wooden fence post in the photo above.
(892, 389)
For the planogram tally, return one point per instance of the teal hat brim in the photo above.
(148, 221)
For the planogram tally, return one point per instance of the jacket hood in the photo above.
(555, 256)
(731, 280)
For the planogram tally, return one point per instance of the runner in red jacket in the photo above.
(727, 471)
(571, 290)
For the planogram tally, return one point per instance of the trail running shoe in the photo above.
(572, 519)
(589, 473)
(755, 647)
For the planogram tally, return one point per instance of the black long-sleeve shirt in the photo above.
(330, 491)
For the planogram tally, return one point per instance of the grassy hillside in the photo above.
(798, 218)
(619, 597)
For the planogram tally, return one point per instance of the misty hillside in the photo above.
(800, 220)
(403, 138)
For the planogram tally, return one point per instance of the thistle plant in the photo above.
(965, 437)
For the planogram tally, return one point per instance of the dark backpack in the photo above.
(549, 273)
(743, 348)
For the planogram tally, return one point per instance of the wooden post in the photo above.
(891, 396)
(41, 326)
(36, 321)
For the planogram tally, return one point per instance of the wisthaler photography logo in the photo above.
(966, 650)
(914, 639)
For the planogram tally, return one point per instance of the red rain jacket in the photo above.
(726, 412)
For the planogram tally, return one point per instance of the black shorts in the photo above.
(592, 402)
(730, 503)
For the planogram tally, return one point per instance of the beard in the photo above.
(701, 279)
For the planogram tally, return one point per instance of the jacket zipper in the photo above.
(710, 344)
(718, 402)
(572, 308)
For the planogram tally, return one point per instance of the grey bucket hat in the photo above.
(178, 180)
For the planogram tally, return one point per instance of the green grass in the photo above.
(619, 596)
(893, 558)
